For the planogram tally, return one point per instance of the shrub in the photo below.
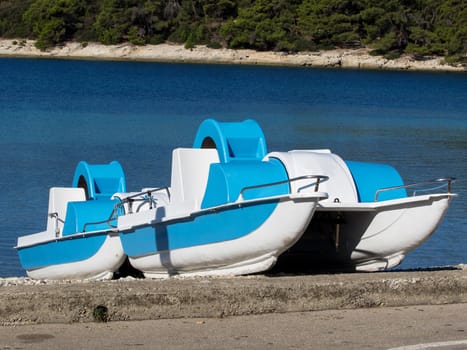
(100, 313)
(190, 42)
(134, 37)
(214, 45)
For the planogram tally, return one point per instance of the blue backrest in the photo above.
(101, 180)
(233, 140)
(92, 213)
(226, 180)
(371, 177)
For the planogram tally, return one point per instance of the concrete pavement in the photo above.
(441, 327)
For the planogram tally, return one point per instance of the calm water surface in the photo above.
(55, 113)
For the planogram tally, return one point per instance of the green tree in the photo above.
(111, 22)
(54, 21)
(390, 27)
(451, 27)
(330, 23)
(265, 25)
(12, 24)
(139, 22)
(219, 10)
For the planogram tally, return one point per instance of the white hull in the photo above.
(369, 222)
(254, 252)
(395, 230)
(370, 236)
(100, 266)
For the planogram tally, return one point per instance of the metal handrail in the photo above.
(150, 199)
(320, 178)
(55, 216)
(148, 192)
(108, 222)
(446, 181)
(129, 200)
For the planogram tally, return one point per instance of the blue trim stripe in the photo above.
(212, 227)
(60, 251)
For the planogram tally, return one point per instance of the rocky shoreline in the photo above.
(339, 58)
(26, 301)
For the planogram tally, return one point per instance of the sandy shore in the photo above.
(359, 59)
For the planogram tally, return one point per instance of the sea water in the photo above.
(54, 113)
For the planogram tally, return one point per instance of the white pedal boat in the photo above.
(370, 221)
(231, 209)
(80, 241)
(228, 211)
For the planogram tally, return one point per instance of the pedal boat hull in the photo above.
(369, 222)
(238, 238)
(92, 255)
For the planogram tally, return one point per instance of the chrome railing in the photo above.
(144, 197)
(107, 221)
(147, 197)
(319, 179)
(55, 216)
(434, 185)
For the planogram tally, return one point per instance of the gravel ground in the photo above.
(27, 301)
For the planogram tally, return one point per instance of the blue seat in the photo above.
(241, 147)
(233, 140)
(100, 181)
(93, 214)
(371, 177)
(226, 180)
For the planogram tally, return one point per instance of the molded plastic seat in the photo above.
(89, 216)
(226, 181)
(234, 141)
(371, 177)
(190, 169)
(100, 181)
(58, 202)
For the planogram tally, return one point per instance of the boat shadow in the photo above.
(281, 272)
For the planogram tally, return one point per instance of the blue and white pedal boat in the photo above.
(371, 219)
(81, 240)
(233, 208)
(228, 211)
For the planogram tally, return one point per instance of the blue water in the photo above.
(55, 113)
